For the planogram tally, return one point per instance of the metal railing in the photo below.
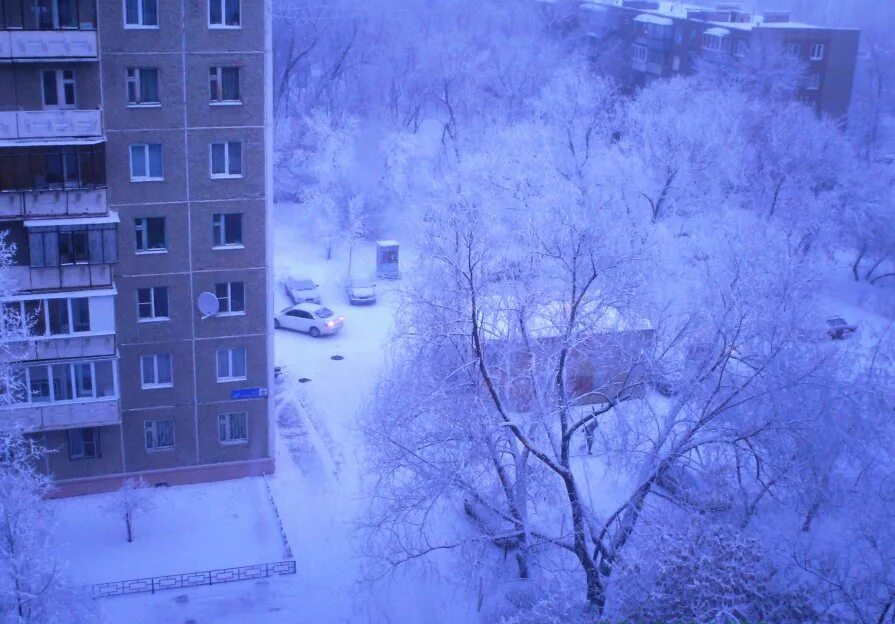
(153, 584)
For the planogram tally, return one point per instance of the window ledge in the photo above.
(233, 442)
(156, 386)
(224, 27)
(225, 176)
(225, 103)
(139, 27)
(155, 319)
(231, 313)
(146, 105)
(164, 449)
(230, 379)
(150, 252)
(147, 179)
(226, 247)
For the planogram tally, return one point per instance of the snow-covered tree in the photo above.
(132, 499)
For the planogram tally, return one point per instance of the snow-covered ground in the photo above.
(317, 483)
(190, 528)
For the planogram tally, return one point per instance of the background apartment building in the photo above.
(137, 176)
(665, 38)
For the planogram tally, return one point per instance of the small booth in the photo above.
(387, 260)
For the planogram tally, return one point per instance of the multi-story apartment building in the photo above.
(136, 175)
(667, 37)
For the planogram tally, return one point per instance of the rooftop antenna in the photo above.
(208, 304)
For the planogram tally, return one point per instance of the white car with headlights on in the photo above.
(311, 318)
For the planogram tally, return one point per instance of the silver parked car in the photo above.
(310, 318)
(361, 291)
(302, 290)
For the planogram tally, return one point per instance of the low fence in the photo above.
(192, 579)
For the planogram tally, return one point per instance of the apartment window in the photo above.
(146, 162)
(713, 42)
(58, 88)
(233, 428)
(73, 247)
(159, 434)
(152, 303)
(142, 86)
(640, 53)
(792, 49)
(83, 443)
(155, 371)
(68, 316)
(141, 13)
(226, 230)
(223, 13)
(226, 160)
(812, 82)
(231, 364)
(231, 296)
(150, 234)
(223, 84)
(70, 381)
(817, 52)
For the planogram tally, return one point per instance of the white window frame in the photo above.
(153, 318)
(221, 243)
(641, 53)
(141, 226)
(812, 82)
(137, 81)
(817, 51)
(230, 351)
(153, 385)
(97, 444)
(227, 148)
(219, 85)
(147, 177)
(226, 421)
(223, 25)
(17, 333)
(26, 380)
(151, 427)
(228, 299)
(715, 43)
(139, 25)
(60, 81)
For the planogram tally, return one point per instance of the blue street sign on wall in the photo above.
(248, 393)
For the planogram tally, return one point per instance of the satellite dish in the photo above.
(208, 304)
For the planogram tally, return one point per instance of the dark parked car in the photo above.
(838, 329)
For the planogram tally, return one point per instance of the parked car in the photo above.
(302, 290)
(361, 291)
(838, 329)
(310, 318)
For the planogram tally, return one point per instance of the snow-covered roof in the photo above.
(717, 31)
(387, 243)
(649, 18)
(112, 217)
(549, 320)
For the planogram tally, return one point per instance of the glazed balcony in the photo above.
(48, 30)
(60, 182)
(63, 394)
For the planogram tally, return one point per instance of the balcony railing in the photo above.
(50, 124)
(48, 204)
(48, 44)
(52, 416)
(61, 347)
(25, 278)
